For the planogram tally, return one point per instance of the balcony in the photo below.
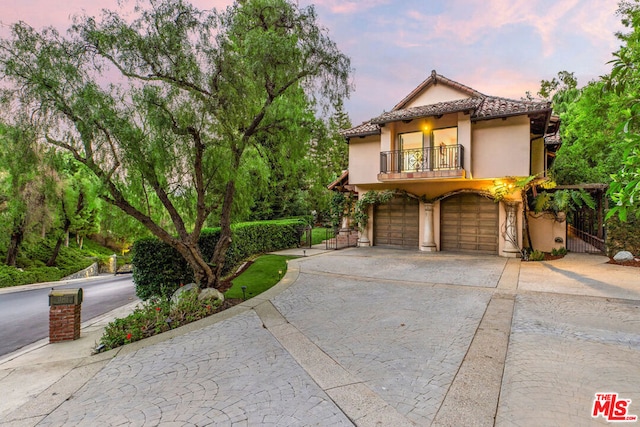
(430, 162)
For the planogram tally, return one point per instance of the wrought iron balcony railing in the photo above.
(449, 157)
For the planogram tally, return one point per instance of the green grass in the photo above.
(265, 272)
(318, 235)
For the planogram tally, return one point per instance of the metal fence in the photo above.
(339, 239)
(446, 157)
(585, 233)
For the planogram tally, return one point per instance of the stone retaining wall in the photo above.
(90, 271)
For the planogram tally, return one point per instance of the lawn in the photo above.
(318, 235)
(265, 272)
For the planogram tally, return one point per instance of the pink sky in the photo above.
(499, 47)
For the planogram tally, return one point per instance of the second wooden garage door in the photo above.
(397, 223)
(469, 222)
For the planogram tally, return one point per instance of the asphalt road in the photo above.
(24, 314)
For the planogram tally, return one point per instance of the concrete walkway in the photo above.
(366, 337)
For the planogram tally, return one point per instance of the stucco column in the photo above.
(510, 233)
(428, 240)
(345, 224)
(363, 240)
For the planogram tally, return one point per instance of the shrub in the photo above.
(558, 252)
(32, 267)
(158, 269)
(536, 256)
(156, 316)
(623, 236)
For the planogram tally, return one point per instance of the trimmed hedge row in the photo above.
(158, 269)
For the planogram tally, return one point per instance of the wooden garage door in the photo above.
(397, 223)
(469, 222)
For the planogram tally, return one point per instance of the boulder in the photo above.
(181, 289)
(210, 293)
(623, 256)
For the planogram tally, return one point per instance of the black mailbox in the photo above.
(65, 297)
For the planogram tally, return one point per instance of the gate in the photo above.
(585, 227)
(340, 239)
(584, 234)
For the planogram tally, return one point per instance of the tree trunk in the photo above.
(56, 250)
(220, 251)
(202, 272)
(14, 244)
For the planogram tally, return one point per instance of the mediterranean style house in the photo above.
(446, 150)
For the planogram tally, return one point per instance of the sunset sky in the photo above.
(498, 47)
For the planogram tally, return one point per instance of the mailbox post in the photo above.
(64, 314)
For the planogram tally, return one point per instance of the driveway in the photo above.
(370, 336)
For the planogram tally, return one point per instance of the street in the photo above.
(24, 314)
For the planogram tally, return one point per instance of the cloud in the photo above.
(349, 7)
(469, 22)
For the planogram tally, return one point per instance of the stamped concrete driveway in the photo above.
(379, 337)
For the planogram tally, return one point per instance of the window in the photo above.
(412, 155)
(446, 150)
(426, 151)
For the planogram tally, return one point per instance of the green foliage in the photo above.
(340, 206)
(536, 256)
(591, 148)
(205, 102)
(623, 235)
(563, 201)
(158, 269)
(31, 266)
(624, 81)
(156, 316)
(624, 188)
(371, 197)
(261, 275)
(562, 251)
(318, 235)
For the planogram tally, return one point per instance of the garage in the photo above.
(469, 222)
(397, 223)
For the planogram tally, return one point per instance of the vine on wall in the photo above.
(371, 197)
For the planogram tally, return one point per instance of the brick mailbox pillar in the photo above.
(64, 314)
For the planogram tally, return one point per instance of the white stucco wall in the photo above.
(500, 148)
(544, 230)
(364, 160)
(436, 93)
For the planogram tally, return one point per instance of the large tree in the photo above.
(624, 80)
(28, 190)
(178, 104)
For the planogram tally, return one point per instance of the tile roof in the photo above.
(440, 108)
(365, 129)
(480, 106)
(494, 107)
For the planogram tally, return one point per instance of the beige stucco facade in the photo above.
(547, 232)
(490, 143)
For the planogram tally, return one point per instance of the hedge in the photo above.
(158, 269)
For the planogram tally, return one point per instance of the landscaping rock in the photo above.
(210, 293)
(180, 290)
(623, 256)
